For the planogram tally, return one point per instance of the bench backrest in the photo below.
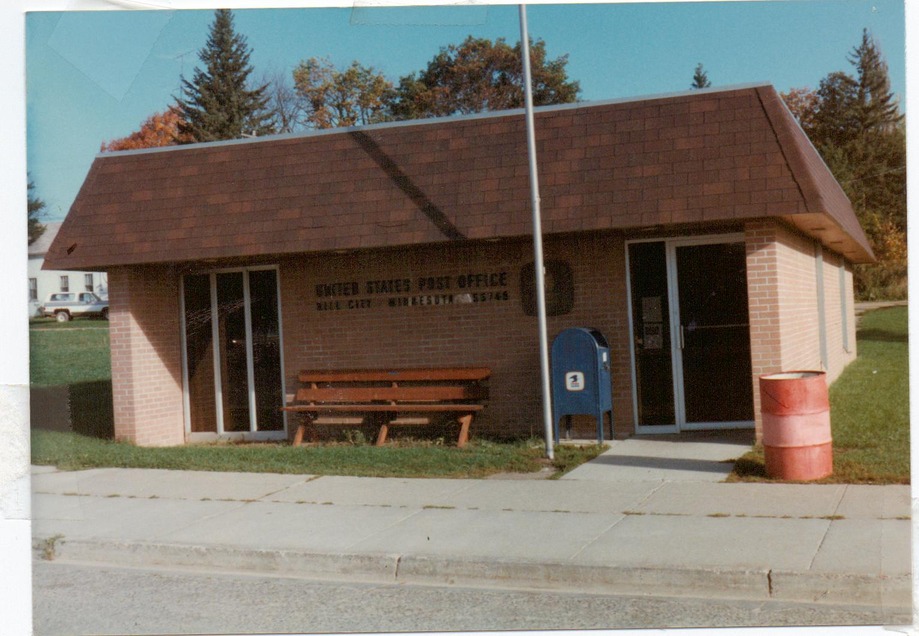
(393, 386)
(440, 374)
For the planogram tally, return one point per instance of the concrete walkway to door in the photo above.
(702, 456)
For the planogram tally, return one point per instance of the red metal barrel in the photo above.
(797, 440)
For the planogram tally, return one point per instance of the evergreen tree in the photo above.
(699, 78)
(217, 103)
(36, 207)
(875, 105)
(855, 124)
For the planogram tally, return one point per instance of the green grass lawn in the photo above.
(68, 353)
(869, 408)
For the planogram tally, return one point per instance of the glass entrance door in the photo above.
(690, 334)
(714, 335)
(232, 353)
(651, 335)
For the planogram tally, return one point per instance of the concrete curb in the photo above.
(740, 584)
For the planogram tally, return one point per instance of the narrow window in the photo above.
(88, 282)
(821, 308)
(33, 289)
(65, 283)
(843, 306)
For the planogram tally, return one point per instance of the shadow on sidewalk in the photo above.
(664, 463)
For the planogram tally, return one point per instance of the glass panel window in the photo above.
(233, 352)
(88, 281)
(199, 351)
(651, 324)
(266, 350)
(65, 283)
(234, 380)
(33, 289)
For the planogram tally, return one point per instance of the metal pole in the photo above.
(537, 239)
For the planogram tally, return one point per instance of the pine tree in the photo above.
(875, 105)
(217, 103)
(700, 78)
(855, 124)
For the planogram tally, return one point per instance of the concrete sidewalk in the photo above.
(637, 531)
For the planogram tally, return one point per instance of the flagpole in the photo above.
(537, 238)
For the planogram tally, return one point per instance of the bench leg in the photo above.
(298, 436)
(305, 421)
(381, 436)
(465, 421)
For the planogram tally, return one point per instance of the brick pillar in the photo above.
(146, 356)
(763, 299)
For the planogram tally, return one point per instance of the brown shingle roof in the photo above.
(698, 157)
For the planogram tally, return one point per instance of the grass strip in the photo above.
(869, 409)
(69, 451)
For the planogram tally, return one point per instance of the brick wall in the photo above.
(146, 356)
(494, 333)
(782, 281)
(331, 319)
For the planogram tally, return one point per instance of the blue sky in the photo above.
(95, 76)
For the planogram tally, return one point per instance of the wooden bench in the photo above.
(325, 396)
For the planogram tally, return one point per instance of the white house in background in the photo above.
(42, 283)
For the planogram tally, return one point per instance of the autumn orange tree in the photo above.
(160, 129)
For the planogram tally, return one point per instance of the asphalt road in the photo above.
(83, 599)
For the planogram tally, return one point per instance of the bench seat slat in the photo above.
(385, 408)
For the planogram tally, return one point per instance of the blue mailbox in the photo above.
(581, 383)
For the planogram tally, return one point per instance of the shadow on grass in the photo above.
(749, 468)
(882, 335)
(84, 408)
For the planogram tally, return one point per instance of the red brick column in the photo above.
(146, 356)
(763, 300)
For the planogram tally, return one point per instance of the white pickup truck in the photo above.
(66, 305)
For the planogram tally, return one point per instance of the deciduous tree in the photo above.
(355, 96)
(287, 108)
(481, 75)
(218, 103)
(159, 129)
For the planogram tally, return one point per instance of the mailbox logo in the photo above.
(574, 381)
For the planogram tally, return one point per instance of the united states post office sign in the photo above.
(469, 287)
